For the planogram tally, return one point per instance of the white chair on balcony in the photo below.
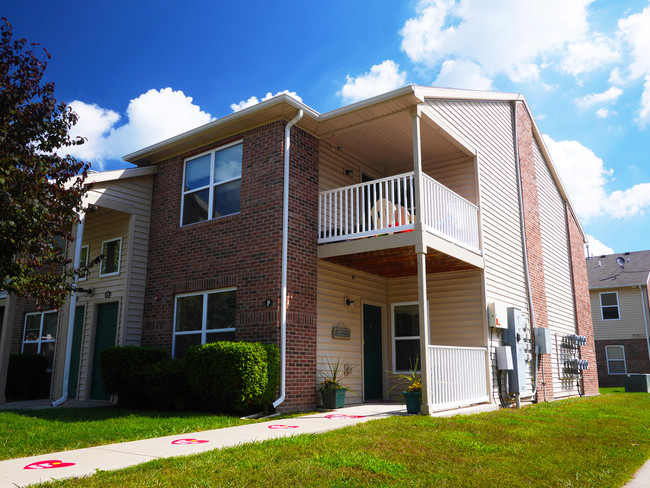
(386, 214)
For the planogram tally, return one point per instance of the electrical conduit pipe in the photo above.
(283, 283)
(71, 312)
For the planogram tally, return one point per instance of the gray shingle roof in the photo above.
(604, 272)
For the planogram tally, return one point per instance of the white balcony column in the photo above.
(416, 114)
(423, 311)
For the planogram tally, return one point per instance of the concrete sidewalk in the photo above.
(86, 462)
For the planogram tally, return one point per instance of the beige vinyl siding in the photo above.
(100, 226)
(124, 211)
(455, 309)
(334, 284)
(332, 166)
(487, 126)
(557, 273)
(631, 324)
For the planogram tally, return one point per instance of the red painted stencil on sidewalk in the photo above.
(54, 463)
(189, 441)
(342, 416)
(278, 426)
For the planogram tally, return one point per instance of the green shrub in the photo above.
(231, 376)
(273, 361)
(27, 377)
(164, 386)
(122, 368)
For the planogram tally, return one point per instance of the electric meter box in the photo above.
(498, 315)
(504, 358)
(543, 340)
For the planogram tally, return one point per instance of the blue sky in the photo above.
(140, 71)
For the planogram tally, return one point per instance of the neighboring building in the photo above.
(109, 310)
(408, 214)
(618, 286)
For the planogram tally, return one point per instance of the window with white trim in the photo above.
(406, 336)
(201, 318)
(615, 359)
(212, 184)
(83, 261)
(111, 250)
(609, 306)
(39, 335)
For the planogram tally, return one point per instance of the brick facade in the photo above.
(529, 186)
(582, 303)
(636, 360)
(244, 251)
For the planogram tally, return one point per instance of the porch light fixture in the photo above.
(349, 172)
(348, 302)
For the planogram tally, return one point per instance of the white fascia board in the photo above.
(119, 174)
(384, 97)
(259, 107)
(425, 92)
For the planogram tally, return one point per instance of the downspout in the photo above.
(283, 284)
(646, 309)
(524, 245)
(71, 312)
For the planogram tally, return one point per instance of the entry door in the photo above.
(104, 337)
(372, 362)
(75, 353)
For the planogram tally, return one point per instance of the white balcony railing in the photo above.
(387, 205)
(458, 376)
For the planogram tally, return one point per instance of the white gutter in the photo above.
(645, 318)
(71, 312)
(283, 284)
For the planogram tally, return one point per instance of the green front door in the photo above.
(75, 353)
(104, 337)
(372, 363)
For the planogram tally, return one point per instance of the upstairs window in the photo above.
(609, 306)
(212, 184)
(111, 262)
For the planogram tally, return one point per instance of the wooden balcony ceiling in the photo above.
(397, 262)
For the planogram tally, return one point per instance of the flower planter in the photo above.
(334, 398)
(413, 401)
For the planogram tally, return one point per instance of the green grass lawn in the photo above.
(585, 442)
(31, 432)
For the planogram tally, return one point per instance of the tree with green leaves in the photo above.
(40, 191)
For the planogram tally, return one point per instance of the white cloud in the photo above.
(588, 55)
(380, 79)
(629, 202)
(603, 113)
(633, 30)
(644, 112)
(597, 248)
(152, 117)
(462, 74)
(584, 176)
(93, 124)
(611, 95)
(236, 107)
(516, 38)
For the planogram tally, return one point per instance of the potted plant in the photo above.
(331, 389)
(413, 392)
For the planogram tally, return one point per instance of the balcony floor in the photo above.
(397, 262)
